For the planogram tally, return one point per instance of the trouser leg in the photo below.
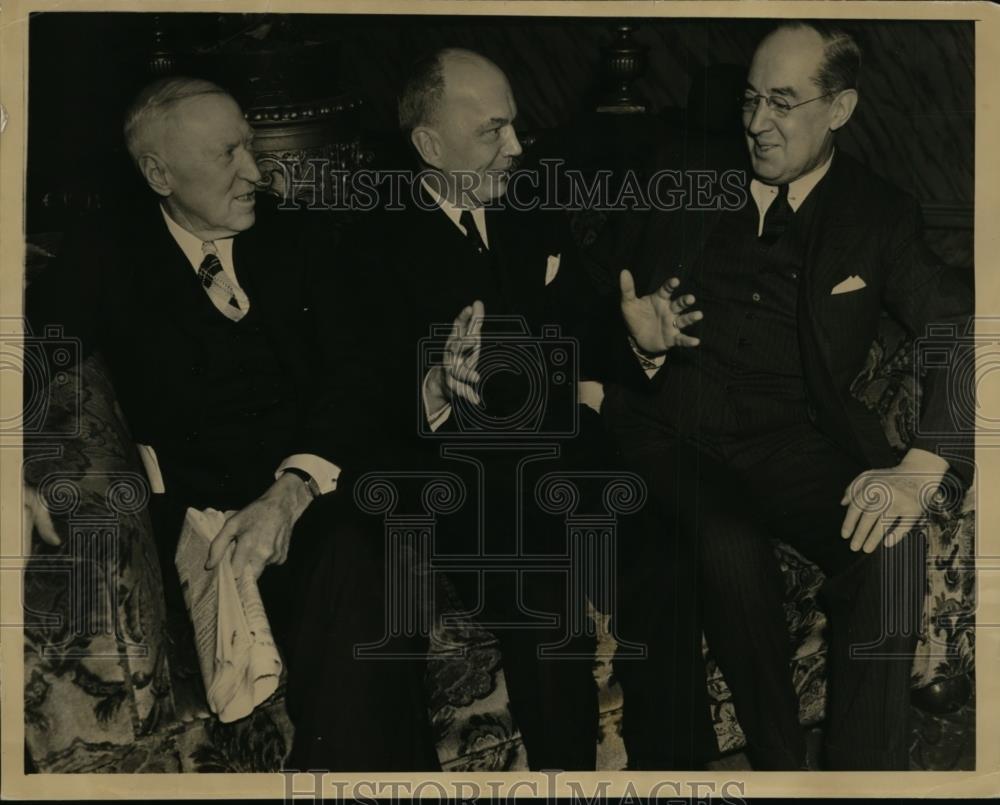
(666, 716)
(354, 713)
(871, 600)
(748, 635)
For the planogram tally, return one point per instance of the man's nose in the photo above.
(512, 146)
(760, 118)
(249, 169)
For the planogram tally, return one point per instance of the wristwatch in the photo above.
(307, 479)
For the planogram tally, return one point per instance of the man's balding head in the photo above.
(458, 110)
(424, 91)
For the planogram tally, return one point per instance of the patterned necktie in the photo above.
(227, 297)
(777, 218)
(472, 231)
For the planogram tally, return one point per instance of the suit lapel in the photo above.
(165, 280)
(272, 282)
(833, 231)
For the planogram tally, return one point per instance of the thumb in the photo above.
(627, 285)
(44, 526)
(847, 494)
(37, 517)
(218, 548)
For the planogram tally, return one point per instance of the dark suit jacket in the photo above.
(124, 286)
(415, 269)
(862, 226)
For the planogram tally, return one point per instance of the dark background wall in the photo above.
(914, 125)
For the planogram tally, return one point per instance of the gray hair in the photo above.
(154, 103)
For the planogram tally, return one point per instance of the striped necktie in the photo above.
(228, 298)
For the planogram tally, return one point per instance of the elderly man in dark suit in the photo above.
(210, 310)
(793, 284)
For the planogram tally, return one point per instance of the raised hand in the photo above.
(457, 375)
(656, 320)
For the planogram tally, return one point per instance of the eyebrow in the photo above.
(774, 90)
(494, 121)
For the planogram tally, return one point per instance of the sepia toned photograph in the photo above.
(495, 392)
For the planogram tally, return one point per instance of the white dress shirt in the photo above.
(322, 471)
(798, 189)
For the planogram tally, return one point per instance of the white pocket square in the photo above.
(552, 267)
(852, 283)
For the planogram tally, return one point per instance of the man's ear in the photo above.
(842, 108)
(154, 170)
(428, 145)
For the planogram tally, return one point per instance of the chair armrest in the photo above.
(95, 662)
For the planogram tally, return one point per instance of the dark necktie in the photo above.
(777, 218)
(472, 231)
(475, 239)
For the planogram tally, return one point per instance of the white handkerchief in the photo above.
(852, 283)
(552, 268)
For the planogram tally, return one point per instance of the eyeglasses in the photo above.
(750, 101)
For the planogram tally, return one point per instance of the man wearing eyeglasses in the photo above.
(792, 285)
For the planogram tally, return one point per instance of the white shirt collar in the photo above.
(191, 245)
(798, 189)
(455, 213)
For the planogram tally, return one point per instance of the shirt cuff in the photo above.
(591, 394)
(152, 467)
(436, 419)
(920, 460)
(323, 472)
(649, 365)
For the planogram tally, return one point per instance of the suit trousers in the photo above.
(354, 713)
(533, 602)
(729, 499)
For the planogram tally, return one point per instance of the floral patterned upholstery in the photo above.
(108, 699)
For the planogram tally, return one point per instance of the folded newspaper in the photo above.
(239, 661)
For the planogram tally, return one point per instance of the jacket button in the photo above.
(755, 297)
(795, 275)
